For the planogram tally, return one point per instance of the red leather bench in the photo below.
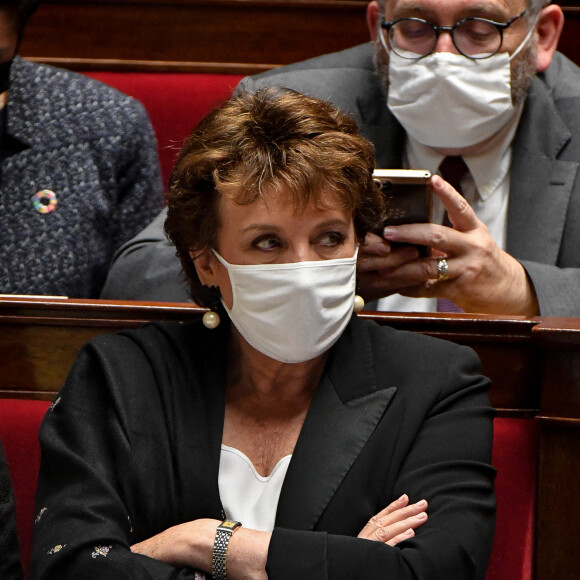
(19, 423)
(515, 453)
(176, 102)
(515, 456)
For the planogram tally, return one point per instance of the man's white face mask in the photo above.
(447, 100)
(292, 312)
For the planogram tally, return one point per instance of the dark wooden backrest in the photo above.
(236, 36)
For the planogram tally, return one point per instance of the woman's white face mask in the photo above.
(447, 100)
(292, 312)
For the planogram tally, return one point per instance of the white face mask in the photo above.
(447, 100)
(292, 312)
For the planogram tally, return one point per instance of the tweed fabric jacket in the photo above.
(94, 149)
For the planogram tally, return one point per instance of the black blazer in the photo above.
(132, 447)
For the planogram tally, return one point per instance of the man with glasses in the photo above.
(474, 91)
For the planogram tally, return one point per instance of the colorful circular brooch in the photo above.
(44, 201)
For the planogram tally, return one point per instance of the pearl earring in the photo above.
(210, 297)
(211, 319)
(359, 302)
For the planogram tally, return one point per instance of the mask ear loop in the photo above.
(524, 41)
(381, 32)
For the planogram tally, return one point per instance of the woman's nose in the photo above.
(303, 253)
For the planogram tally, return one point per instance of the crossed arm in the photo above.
(191, 543)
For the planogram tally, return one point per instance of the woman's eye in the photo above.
(331, 239)
(266, 244)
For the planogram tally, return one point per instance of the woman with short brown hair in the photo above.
(297, 441)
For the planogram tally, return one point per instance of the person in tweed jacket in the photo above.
(79, 172)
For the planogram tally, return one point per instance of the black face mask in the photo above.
(5, 75)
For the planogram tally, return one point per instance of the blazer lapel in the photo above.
(204, 361)
(344, 413)
(540, 184)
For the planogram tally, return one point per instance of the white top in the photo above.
(247, 496)
(486, 187)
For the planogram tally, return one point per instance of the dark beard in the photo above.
(381, 61)
(523, 69)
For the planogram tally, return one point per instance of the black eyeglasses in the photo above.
(475, 38)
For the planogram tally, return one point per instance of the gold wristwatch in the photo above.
(220, 547)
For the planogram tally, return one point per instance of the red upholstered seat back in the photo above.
(176, 103)
(19, 423)
(515, 454)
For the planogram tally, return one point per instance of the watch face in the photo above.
(229, 524)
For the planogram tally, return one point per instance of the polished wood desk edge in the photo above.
(544, 330)
(338, 4)
(557, 332)
(62, 307)
(119, 314)
(15, 303)
(153, 66)
(50, 304)
(571, 422)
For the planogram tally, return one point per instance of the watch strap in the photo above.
(220, 547)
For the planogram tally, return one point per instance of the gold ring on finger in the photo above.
(442, 269)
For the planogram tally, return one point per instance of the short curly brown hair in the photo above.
(276, 141)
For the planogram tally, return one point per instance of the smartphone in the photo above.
(408, 196)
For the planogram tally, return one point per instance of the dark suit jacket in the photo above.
(132, 447)
(94, 147)
(544, 205)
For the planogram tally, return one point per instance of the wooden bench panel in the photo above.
(28, 326)
(238, 36)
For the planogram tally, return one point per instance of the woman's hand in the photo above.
(191, 544)
(397, 522)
